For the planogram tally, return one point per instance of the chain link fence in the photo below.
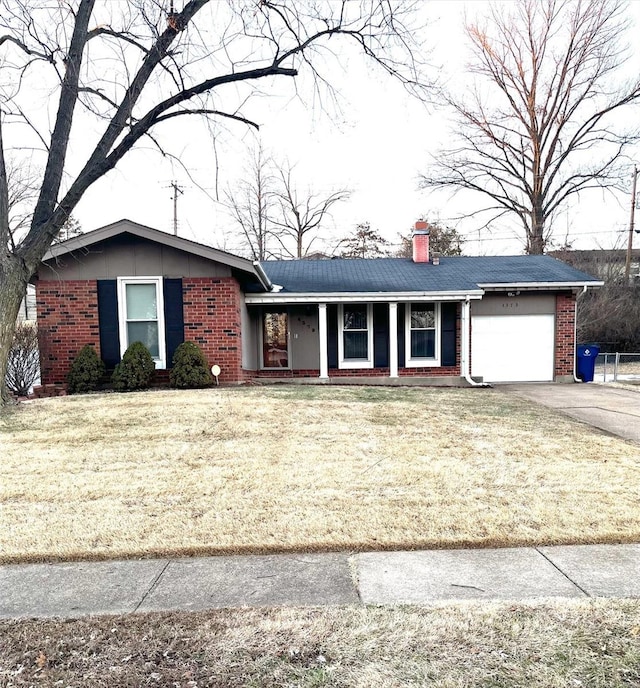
(617, 367)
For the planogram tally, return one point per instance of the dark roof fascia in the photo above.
(85, 241)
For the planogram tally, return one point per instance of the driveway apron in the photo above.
(612, 409)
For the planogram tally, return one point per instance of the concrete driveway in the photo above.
(608, 408)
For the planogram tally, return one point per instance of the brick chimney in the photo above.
(421, 242)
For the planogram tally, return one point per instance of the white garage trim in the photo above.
(513, 348)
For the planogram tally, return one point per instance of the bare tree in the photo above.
(364, 243)
(22, 190)
(301, 215)
(250, 203)
(537, 127)
(609, 316)
(23, 365)
(122, 72)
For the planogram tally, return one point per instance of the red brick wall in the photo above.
(565, 330)
(212, 320)
(67, 320)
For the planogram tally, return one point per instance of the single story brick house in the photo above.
(429, 320)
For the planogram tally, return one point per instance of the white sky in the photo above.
(377, 145)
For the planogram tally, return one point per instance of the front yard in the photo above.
(290, 468)
(573, 644)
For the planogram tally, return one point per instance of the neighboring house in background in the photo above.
(28, 306)
(606, 264)
(384, 320)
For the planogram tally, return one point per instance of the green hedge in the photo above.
(86, 371)
(190, 368)
(135, 370)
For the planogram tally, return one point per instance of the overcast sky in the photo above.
(376, 144)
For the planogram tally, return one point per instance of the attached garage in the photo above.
(513, 338)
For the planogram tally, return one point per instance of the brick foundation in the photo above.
(359, 372)
(212, 321)
(67, 320)
(565, 332)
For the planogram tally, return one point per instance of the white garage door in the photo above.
(512, 348)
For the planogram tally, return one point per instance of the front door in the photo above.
(275, 340)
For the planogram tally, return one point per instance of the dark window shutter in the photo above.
(401, 326)
(448, 315)
(332, 335)
(108, 318)
(381, 335)
(173, 317)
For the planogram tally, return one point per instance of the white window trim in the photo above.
(161, 361)
(355, 362)
(410, 362)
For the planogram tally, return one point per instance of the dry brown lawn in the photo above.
(586, 644)
(291, 468)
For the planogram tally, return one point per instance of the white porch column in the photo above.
(393, 340)
(322, 334)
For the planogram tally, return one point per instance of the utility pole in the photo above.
(176, 191)
(627, 267)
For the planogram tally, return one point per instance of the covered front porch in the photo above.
(359, 338)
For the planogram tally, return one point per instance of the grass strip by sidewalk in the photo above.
(292, 468)
(594, 644)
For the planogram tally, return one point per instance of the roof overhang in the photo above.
(83, 243)
(538, 286)
(361, 297)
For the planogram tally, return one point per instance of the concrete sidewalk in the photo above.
(424, 577)
(614, 410)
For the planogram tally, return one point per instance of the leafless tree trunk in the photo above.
(301, 215)
(250, 203)
(536, 127)
(128, 67)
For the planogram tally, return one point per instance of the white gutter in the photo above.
(262, 276)
(465, 343)
(361, 297)
(575, 335)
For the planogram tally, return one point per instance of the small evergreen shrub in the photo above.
(190, 369)
(135, 370)
(86, 371)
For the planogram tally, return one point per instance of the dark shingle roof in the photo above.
(455, 273)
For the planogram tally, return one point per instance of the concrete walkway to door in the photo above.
(612, 409)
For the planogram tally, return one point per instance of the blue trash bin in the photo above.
(587, 356)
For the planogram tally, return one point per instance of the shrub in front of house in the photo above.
(23, 363)
(190, 369)
(135, 370)
(86, 371)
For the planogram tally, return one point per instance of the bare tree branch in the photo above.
(547, 68)
(301, 214)
(133, 66)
